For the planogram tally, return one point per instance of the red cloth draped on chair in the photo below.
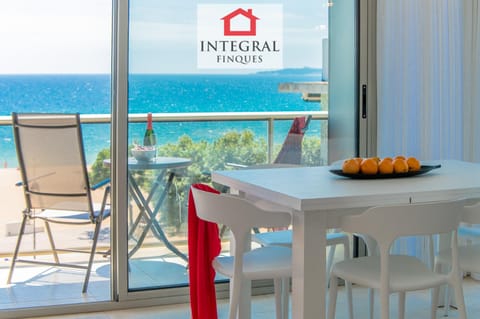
(291, 151)
(203, 247)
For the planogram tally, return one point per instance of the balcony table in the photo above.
(317, 198)
(164, 166)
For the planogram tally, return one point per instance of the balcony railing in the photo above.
(268, 117)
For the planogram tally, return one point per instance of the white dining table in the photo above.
(317, 199)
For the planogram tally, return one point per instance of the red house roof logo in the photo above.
(227, 27)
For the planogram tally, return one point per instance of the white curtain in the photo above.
(471, 87)
(420, 66)
(428, 73)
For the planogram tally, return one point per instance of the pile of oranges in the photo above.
(376, 165)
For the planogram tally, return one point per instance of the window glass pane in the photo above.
(55, 58)
(222, 81)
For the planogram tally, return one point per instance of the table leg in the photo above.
(309, 265)
(149, 215)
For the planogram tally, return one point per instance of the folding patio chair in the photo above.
(291, 151)
(55, 182)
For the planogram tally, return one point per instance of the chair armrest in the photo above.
(94, 187)
(100, 184)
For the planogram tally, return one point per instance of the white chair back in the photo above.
(239, 214)
(386, 223)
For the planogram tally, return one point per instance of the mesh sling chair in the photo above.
(55, 182)
(291, 151)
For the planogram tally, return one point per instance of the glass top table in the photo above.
(166, 169)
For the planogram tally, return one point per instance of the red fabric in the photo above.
(203, 247)
(298, 125)
(291, 151)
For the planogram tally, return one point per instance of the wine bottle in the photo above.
(149, 139)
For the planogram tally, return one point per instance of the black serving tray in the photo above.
(423, 169)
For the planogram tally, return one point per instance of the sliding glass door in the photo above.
(223, 83)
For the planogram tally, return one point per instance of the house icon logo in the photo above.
(237, 14)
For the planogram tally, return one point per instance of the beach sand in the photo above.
(11, 197)
(12, 203)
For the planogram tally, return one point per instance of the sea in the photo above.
(156, 93)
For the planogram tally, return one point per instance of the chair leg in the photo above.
(285, 296)
(438, 268)
(96, 233)
(435, 297)
(235, 294)
(431, 252)
(281, 297)
(278, 291)
(401, 305)
(52, 243)
(17, 248)
(447, 300)
(331, 256)
(459, 298)
(332, 296)
(384, 304)
(348, 286)
(371, 302)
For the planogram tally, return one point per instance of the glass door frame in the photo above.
(120, 72)
(119, 149)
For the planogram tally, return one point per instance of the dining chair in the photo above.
(56, 184)
(468, 254)
(285, 238)
(272, 262)
(400, 273)
(204, 245)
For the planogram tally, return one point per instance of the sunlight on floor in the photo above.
(418, 306)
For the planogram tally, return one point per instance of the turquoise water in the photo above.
(90, 94)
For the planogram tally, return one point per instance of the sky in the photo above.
(55, 36)
(74, 36)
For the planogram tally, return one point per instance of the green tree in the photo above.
(98, 171)
(232, 147)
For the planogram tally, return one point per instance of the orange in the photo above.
(399, 157)
(385, 166)
(359, 160)
(400, 165)
(413, 164)
(369, 166)
(350, 166)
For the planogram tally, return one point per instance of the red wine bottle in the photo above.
(149, 139)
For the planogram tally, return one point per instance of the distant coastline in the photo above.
(293, 71)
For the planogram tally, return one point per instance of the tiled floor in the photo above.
(36, 286)
(40, 287)
(418, 307)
